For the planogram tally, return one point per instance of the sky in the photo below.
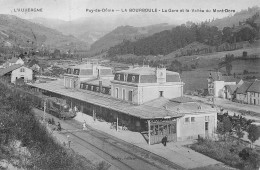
(74, 9)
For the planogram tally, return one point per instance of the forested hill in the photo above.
(235, 19)
(168, 41)
(130, 33)
(23, 33)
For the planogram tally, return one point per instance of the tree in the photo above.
(176, 66)
(253, 133)
(239, 132)
(244, 54)
(228, 68)
(227, 33)
(250, 157)
(227, 125)
(245, 72)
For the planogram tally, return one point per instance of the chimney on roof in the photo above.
(100, 86)
(161, 74)
(98, 74)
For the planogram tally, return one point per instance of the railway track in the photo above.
(105, 155)
(117, 152)
(120, 152)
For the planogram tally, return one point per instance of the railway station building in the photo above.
(143, 99)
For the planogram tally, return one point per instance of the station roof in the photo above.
(143, 111)
(145, 71)
(9, 69)
(105, 82)
(186, 106)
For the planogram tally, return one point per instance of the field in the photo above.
(249, 65)
(196, 79)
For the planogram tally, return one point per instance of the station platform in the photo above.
(176, 152)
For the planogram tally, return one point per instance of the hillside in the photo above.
(23, 33)
(235, 19)
(179, 37)
(91, 28)
(185, 50)
(130, 33)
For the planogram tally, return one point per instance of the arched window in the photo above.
(125, 77)
(133, 78)
(118, 77)
(22, 70)
(81, 85)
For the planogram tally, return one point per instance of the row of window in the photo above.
(192, 119)
(95, 88)
(255, 94)
(127, 78)
(22, 70)
(130, 94)
(71, 71)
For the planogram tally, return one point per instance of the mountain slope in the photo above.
(235, 19)
(91, 28)
(130, 33)
(24, 33)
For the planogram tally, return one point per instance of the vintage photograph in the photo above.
(129, 84)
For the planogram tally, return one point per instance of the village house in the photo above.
(253, 93)
(143, 99)
(15, 72)
(34, 65)
(241, 93)
(13, 61)
(230, 91)
(217, 83)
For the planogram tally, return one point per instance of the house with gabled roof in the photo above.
(241, 93)
(253, 93)
(230, 91)
(16, 71)
(217, 83)
(12, 61)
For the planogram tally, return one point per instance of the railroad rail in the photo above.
(131, 152)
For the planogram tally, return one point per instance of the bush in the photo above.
(227, 152)
(20, 124)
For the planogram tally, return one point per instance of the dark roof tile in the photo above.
(255, 87)
(9, 69)
(244, 87)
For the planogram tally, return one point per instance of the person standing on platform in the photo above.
(68, 140)
(84, 125)
(164, 140)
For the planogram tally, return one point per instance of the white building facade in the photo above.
(76, 74)
(143, 84)
(22, 73)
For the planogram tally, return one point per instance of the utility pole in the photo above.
(44, 110)
(117, 122)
